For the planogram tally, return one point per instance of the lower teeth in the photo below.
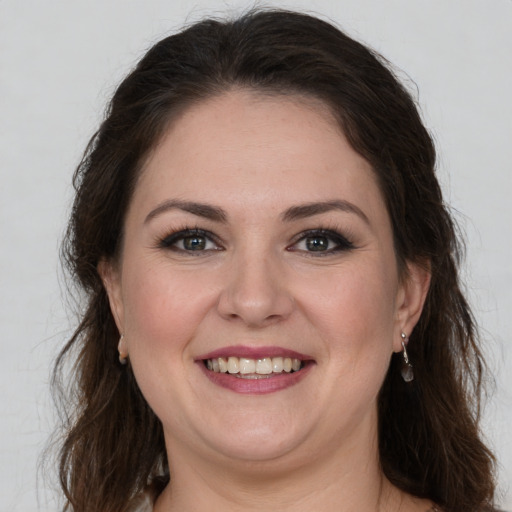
(252, 375)
(261, 375)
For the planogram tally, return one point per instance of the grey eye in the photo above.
(188, 240)
(194, 243)
(318, 243)
(322, 242)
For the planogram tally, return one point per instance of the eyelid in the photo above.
(169, 241)
(343, 242)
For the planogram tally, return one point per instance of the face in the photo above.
(258, 289)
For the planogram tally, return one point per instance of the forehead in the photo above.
(252, 146)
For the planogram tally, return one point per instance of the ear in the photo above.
(410, 299)
(111, 277)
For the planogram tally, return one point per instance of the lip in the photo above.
(271, 384)
(262, 386)
(253, 353)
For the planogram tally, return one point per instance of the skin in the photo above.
(310, 446)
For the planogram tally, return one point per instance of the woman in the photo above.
(274, 318)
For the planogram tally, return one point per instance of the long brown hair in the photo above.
(429, 441)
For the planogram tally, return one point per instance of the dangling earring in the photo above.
(123, 354)
(407, 372)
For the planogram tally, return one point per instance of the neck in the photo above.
(344, 480)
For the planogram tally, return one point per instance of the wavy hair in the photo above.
(429, 440)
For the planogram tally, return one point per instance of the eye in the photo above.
(322, 242)
(190, 240)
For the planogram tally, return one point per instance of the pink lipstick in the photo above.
(255, 370)
(254, 353)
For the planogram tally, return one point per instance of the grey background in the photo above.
(59, 63)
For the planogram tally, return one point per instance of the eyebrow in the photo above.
(310, 209)
(200, 209)
(291, 214)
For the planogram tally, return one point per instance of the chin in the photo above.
(256, 441)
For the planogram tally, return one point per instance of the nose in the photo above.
(255, 292)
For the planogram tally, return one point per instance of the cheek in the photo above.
(163, 308)
(163, 311)
(355, 307)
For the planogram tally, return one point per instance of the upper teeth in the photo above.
(244, 366)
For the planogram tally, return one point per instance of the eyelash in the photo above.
(170, 241)
(342, 243)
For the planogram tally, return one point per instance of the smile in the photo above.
(255, 370)
(247, 368)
